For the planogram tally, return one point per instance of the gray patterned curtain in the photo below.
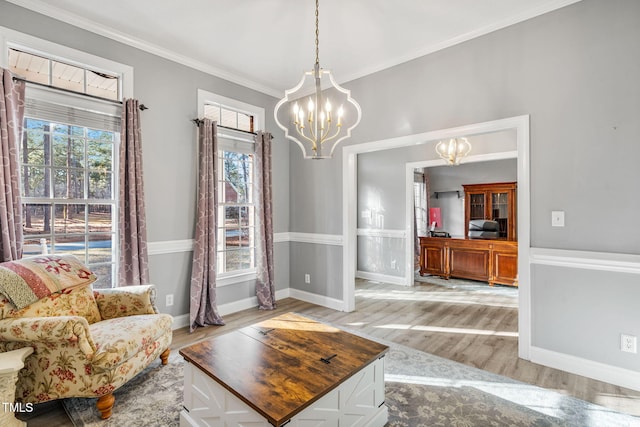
(265, 288)
(132, 223)
(203, 308)
(11, 122)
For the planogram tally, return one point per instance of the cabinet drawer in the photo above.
(469, 263)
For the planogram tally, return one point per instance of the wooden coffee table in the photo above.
(286, 370)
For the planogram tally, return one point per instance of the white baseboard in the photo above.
(384, 278)
(182, 320)
(587, 368)
(322, 300)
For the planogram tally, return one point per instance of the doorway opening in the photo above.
(520, 125)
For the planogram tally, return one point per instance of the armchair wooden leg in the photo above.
(105, 405)
(164, 357)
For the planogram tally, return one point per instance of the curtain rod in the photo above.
(198, 121)
(19, 79)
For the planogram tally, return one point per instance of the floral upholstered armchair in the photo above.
(86, 343)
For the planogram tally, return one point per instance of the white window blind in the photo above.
(45, 104)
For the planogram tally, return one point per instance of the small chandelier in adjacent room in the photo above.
(453, 150)
(317, 114)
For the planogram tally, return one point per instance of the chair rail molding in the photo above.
(603, 261)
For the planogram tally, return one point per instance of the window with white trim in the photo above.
(68, 152)
(236, 209)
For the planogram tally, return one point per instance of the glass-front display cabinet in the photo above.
(496, 202)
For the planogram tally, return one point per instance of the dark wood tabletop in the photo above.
(282, 365)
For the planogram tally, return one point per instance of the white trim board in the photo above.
(381, 232)
(603, 261)
(588, 368)
(383, 278)
(186, 245)
(349, 205)
(182, 320)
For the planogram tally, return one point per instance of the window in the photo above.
(68, 192)
(229, 118)
(236, 209)
(38, 69)
(236, 245)
(69, 149)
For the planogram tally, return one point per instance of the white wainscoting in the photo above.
(383, 233)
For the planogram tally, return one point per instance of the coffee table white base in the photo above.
(357, 402)
(10, 364)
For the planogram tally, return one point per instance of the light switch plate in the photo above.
(557, 218)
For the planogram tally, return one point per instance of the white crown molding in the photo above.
(105, 31)
(603, 261)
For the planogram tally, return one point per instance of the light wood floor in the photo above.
(473, 328)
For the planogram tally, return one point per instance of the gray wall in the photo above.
(575, 72)
(169, 90)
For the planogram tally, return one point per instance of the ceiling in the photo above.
(267, 44)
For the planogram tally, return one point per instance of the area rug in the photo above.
(421, 390)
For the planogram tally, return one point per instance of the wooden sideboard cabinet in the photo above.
(494, 202)
(492, 261)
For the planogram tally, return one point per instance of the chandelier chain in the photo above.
(317, 35)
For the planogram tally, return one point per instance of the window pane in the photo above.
(100, 219)
(231, 218)
(100, 135)
(68, 151)
(31, 67)
(102, 85)
(244, 234)
(37, 219)
(100, 185)
(35, 182)
(244, 213)
(68, 183)
(232, 238)
(99, 154)
(229, 118)
(71, 244)
(70, 219)
(212, 112)
(238, 260)
(101, 248)
(67, 76)
(104, 275)
(245, 122)
(32, 247)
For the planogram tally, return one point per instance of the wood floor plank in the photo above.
(444, 321)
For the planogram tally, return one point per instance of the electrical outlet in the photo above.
(394, 264)
(628, 343)
(169, 301)
(307, 278)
